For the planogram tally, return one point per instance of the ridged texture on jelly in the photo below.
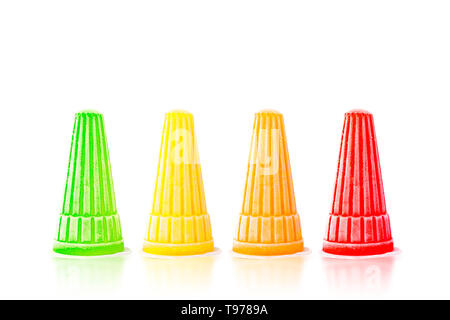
(269, 213)
(179, 212)
(358, 213)
(89, 213)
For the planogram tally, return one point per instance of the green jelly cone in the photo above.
(89, 224)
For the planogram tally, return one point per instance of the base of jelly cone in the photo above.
(267, 249)
(98, 249)
(358, 249)
(183, 249)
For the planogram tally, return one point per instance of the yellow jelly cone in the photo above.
(269, 223)
(179, 223)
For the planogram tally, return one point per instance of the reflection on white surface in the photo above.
(268, 274)
(88, 274)
(188, 274)
(372, 274)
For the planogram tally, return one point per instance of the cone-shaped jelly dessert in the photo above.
(358, 223)
(268, 223)
(89, 224)
(179, 222)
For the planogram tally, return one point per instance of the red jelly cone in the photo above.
(358, 224)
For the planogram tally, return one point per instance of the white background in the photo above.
(223, 61)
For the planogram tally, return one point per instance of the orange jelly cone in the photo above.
(269, 223)
(179, 223)
(358, 223)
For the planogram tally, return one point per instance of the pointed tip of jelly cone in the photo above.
(89, 111)
(269, 111)
(358, 111)
(179, 112)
